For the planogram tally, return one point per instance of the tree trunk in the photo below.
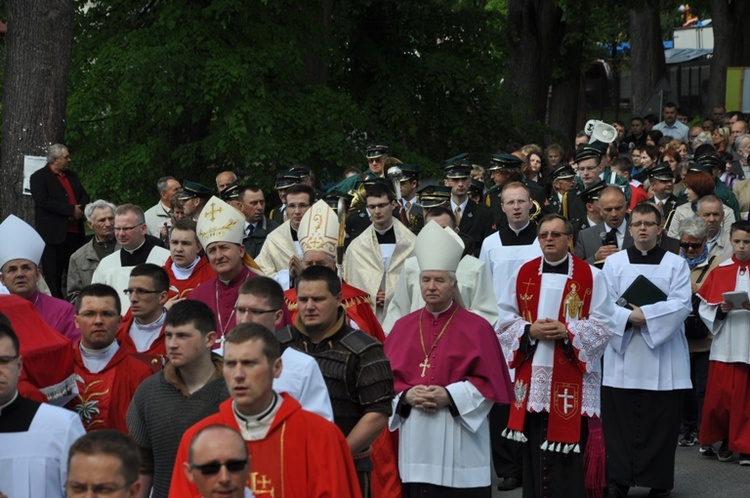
(646, 56)
(730, 46)
(536, 32)
(563, 116)
(37, 60)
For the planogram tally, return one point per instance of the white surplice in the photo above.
(653, 357)
(452, 452)
(33, 464)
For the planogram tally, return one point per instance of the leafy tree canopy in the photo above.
(191, 87)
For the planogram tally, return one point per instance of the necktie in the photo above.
(407, 206)
(458, 215)
(250, 230)
(612, 237)
(660, 205)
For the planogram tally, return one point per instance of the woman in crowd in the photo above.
(720, 138)
(693, 248)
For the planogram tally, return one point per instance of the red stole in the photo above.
(564, 427)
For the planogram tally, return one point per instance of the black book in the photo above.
(642, 292)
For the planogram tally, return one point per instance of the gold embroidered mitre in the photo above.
(220, 222)
(319, 229)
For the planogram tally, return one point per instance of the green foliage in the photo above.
(188, 87)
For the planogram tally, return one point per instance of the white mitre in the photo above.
(438, 248)
(19, 241)
(319, 229)
(220, 222)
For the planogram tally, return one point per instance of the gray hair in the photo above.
(131, 208)
(703, 138)
(162, 183)
(694, 226)
(709, 198)
(451, 275)
(97, 204)
(738, 141)
(55, 151)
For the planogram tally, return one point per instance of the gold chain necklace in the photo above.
(426, 364)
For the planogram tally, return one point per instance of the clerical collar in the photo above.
(387, 236)
(560, 267)
(518, 232)
(131, 252)
(651, 257)
(3, 407)
(256, 427)
(262, 416)
(190, 266)
(234, 279)
(96, 359)
(155, 324)
(97, 353)
(383, 232)
(436, 314)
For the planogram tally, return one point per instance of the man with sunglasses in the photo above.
(227, 466)
(554, 335)
(646, 364)
(137, 247)
(293, 452)
(106, 374)
(141, 332)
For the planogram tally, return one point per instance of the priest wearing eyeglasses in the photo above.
(554, 327)
(448, 371)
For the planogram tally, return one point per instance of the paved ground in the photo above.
(695, 476)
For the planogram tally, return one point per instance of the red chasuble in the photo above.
(356, 302)
(103, 398)
(302, 456)
(468, 350)
(201, 273)
(47, 354)
(155, 356)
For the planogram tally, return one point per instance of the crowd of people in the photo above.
(566, 318)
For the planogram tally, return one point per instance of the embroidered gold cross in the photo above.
(213, 211)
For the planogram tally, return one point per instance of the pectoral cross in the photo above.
(213, 211)
(425, 365)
